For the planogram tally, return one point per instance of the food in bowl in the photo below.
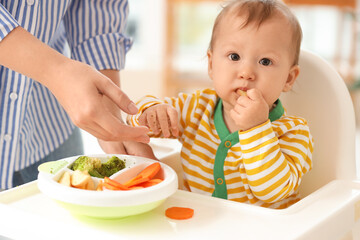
(82, 179)
(78, 179)
(96, 168)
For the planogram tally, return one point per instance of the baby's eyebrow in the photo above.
(270, 54)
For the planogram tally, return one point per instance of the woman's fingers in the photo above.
(119, 131)
(115, 94)
(95, 133)
(139, 149)
(110, 128)
(112, 147)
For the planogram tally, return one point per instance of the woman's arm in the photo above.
(78, 87)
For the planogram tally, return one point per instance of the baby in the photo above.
(238, 142)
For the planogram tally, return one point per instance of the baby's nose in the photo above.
(246, 71)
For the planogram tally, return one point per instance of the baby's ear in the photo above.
(209, 55)
(293, 74)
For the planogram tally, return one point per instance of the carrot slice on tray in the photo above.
(179, 213)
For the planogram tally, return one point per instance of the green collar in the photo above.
(277, 111)
(223, 131)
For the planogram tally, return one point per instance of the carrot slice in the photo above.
(115, 184)
(151, 182)
(110, 187)
(150, 171)
(147, 173)
(155, 180)
(136, 181)
(147, 184)
(179, 213)
(136, 187)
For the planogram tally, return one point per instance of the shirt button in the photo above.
(7, 137)
(219, 181)
(13, 96)
(227, 144)
(30, 2)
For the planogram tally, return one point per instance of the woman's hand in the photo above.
(128, 148)
(161, 118)
(78, 87)
(82, 84)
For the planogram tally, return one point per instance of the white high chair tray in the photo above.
(28, 214)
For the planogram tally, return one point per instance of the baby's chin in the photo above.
(227, 106)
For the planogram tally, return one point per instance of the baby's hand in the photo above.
(161, 117)
(250, 110)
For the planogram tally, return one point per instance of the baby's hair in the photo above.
(257, 12)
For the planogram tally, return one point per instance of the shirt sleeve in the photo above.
(276, 158)
(95, 32)
(7, 22)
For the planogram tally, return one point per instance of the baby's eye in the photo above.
(234, 57)
(265, 62)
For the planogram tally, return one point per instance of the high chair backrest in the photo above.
(322, 98)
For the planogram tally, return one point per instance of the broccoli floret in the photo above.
(97, 169)
(113, 165)
(89, 164)
(86, 163)
(95, 173)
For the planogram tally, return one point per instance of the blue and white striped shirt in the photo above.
(32, 122)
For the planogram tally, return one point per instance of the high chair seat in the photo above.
(322, 98)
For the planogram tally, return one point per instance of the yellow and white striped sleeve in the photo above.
(143, 104)
(276, 156)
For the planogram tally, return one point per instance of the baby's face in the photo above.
(251, 57)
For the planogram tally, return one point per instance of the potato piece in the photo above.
(65, 179)
(90, 185)
(80, 179)
(241, 92)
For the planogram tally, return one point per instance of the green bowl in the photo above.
(110, 212)
(107, 203)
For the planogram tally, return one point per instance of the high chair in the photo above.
(330, 205)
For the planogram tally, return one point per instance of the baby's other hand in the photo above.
(161, 117)
(250, 110)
